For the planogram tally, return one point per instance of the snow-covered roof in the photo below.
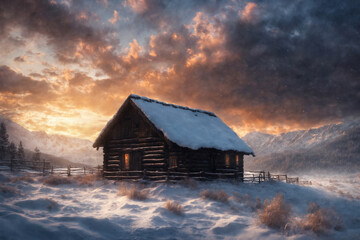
(192, 128)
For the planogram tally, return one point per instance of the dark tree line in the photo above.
(9, 150)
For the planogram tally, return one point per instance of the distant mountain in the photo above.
(334, 146)
(67, 148)
(54, 160)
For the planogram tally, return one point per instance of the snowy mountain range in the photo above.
(73, 149)
(333, 146)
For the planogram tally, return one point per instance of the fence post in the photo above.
(269, 176)
(69, 171)
(52, 169)
(259, 178)
(43, 166)
(11, 164)
(286, 180)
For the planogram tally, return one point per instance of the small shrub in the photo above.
(320, 220)
(219, 196)
(133, 192)
(54, 180)
(8, 190)
(190, 183)
(25, 178)
(312, 207)
(174, 207)
(257, 205)
(249, 201)
(87, 179)
(276, 213)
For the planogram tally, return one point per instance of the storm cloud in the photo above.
(259, 65)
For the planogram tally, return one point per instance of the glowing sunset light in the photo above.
(257, 66)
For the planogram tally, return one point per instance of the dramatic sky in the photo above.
(66, 66)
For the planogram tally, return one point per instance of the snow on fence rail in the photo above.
(17, 164)
(69, 171)
(46, 168)
(158, 176)
(166, 176)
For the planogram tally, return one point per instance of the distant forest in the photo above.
(9, 151)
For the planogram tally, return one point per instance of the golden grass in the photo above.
(25, 178)
(133, 192)
(320, 220)
(54, 180)
(88, 179)
(217, 195)
(276, 213)
(190, 183)
(249, 201)
(174, 207)
(8, 190)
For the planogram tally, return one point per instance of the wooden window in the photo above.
(127, 161)
(172, 162)
(227, 160)
(237, 160)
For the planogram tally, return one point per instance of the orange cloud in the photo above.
(138, 6)
(248, 13)
(115, 17)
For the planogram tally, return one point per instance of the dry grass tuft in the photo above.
(8, 190)
(87, 179)
(190, 183)
(54, 180)
(174, 207)
(133, 192)
(217, 195)
(248, 201)
(276, 213)
(320, 220)
(25, 178)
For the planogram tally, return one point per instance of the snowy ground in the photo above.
(33, 210)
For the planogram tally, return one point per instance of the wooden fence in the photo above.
(158, 176)
(18, 165)
(262, 176)
(169, 176)
(46, 168)
(73, 171)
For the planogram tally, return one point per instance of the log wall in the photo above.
(151, 150)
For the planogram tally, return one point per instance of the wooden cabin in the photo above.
(150, 139)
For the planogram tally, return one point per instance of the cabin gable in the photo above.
(140, 141)
(132, 124)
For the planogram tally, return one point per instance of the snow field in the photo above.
(31, 207)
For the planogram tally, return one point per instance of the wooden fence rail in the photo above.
(46, 168)
(159, 176)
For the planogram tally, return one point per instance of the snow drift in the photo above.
(96, 210)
